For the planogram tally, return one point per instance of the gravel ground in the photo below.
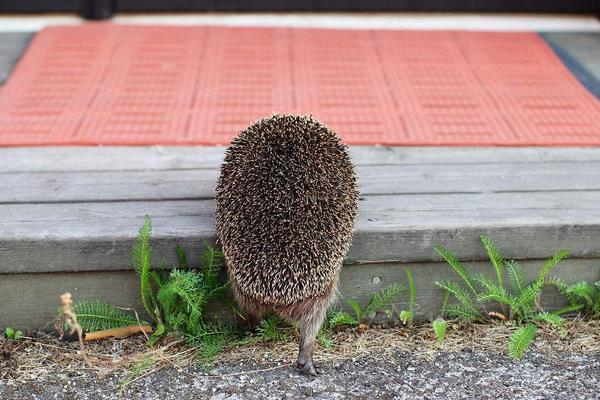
(397, 375)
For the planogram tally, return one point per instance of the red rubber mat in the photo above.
(136, 85)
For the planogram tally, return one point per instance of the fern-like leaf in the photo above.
(569, 309)
(550, 264)
(209, 348)
(458, 292)
(183, 264)
(549, 318)
(579, 291)
(324, 338)
(340, 318)
(182, 299)
(493, 292)
(515, 275)
(520, 340)
(142, 251)
(495, 258)
(272, 329)
(582, 296)
(463, 312)
(356, 307)
(383, 299)
(525, 303)
(96, 316)
(213, 262)
(208, 339)
(141, 259)
(456, 266)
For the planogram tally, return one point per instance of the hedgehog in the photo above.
(286, 202)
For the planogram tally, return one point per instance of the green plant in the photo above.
(407, 316)
(12, 333)
(176, 299)
(583, 297)
(382, 300)
(273, 329)
(183, 296)
(136, 371)
(269, 329)
(439, 326)
(141, 259)
(341, 318)
(520, 340)
(518, 302)
(96, 316)
(209, 339)
(324, 338)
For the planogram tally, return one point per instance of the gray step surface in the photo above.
(532, 200)
(69, 216)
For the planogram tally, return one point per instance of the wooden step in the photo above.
(70, 215)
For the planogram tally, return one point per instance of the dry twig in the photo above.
(71, 318)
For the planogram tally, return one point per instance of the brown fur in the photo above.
(308, 315)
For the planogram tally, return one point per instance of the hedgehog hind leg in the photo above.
(309, 326)
(308, 315)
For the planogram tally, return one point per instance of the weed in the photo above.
(273, 329)
(583, 297)
(439, 326)
(136, 371)
(269, 329)
(176, 299)
(95, 316)
(12, 333)
(341, 318)
(520, 340)
(382, 301)
(208, 340)
(324, 338)
(407, 316)
(141, 258)
(520, 301)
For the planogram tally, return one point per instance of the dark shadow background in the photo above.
(101, 9)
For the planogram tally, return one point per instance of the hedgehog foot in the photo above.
(309, 367)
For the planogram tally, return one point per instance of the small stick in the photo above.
(140, 324)
(493, 314)
(118, 332)
(71, 318)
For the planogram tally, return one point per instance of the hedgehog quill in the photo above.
(286, 202)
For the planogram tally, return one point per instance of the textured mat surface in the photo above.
(108, 84)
